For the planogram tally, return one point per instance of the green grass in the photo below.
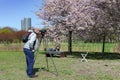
(85, 47)
(13, 66)
(94, 47)
(76, 46)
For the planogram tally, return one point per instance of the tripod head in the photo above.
(43, 31)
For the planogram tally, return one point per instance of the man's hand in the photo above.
(33, 50)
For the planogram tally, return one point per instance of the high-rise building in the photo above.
(26, 24)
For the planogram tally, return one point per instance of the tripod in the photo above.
(45, 43)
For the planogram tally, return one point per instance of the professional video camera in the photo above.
(43, 31)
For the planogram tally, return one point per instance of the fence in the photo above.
(76, 46)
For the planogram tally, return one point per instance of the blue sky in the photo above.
(13, 11)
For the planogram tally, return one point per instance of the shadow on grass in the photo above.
(35, 70)
(97, 55)
(47, 69)
(93, 55)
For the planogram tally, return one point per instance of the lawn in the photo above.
(76, 46)
(13, 66)
(94, 47)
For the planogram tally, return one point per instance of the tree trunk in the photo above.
(103, 46)
(70, 42)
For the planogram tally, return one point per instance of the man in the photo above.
(29, 48)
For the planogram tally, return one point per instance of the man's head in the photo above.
(37, 30)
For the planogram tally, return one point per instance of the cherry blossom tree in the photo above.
(76, 16)
(67, 15)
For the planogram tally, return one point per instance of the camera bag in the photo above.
(25, 37)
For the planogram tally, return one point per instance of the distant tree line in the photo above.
(10, 35)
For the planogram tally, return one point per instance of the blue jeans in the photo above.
(29, 61)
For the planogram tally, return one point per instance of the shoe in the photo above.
(33, 76)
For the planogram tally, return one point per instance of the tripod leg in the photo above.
(46, 43)
(54, 64)
(45, 48)
(47, 63)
